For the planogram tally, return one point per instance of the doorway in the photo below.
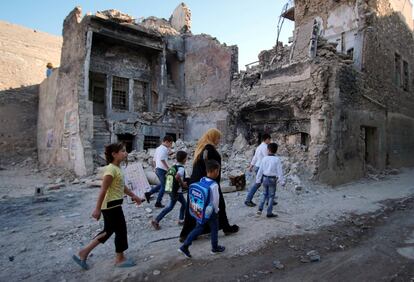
(370, 145)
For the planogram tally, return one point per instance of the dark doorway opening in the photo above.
(370, 145)
(97, 90)
(128, 140)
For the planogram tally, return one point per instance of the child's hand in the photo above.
(137, 200)
(96, 214)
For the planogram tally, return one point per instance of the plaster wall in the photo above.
(198, 122)
(207, 69)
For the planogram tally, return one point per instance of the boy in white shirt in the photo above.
(259, 154)
(161, 168)
(213, 171)
(270, 172)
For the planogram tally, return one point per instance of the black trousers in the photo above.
(114, 222)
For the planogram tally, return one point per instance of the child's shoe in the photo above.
(147, 196)
(217, 250)
(185, 251)
(155, 224)
(259, 213)
(249, 204)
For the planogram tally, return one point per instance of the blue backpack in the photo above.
(199, 200)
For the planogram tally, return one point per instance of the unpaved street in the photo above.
(377, 246)
(38, 238)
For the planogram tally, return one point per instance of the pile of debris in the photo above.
(116, 16)
(235, 162)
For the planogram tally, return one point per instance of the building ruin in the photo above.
(337, 99)
(120, 80)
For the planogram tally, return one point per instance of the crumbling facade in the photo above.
(121, 80)
(337, 99)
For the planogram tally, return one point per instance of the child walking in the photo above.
(271, 172)
(109, 203)
(177, 192)
(213, 171)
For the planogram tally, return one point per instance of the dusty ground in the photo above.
(39, 237)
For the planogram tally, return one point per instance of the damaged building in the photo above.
(339, 98)
(123, 80)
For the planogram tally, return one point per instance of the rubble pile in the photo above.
(235, 161)
(327, 50)
(160, 25)
(116, 16)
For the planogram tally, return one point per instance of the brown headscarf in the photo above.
(210, 137)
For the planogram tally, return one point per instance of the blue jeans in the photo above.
(198, 230)
(160, 188)
(253, 188)
(173, 201)
(269, 191)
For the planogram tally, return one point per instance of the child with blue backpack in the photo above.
(176, 194)
(205, 212)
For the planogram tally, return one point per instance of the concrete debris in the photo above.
(116, 16)
(160, 25)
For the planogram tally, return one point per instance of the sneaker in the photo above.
(250, 204)
(155, 224)
(180, 222)
(271, 215)
(217, 250)
(259, 213)
(147, 196)
(159, 205)
(185, 251)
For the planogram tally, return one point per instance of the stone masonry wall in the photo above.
(387, 37)
(24, 54)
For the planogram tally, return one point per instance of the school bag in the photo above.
(199, 200)
(171, 184)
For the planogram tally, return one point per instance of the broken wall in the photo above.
(340, 22)
(289, 103)
(71, 139)
(24, 54)
(207, 69)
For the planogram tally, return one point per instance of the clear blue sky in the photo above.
(249, 24)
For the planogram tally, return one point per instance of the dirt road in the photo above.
(39, 237)
(371, 247)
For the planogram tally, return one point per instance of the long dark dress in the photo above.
(199, 171)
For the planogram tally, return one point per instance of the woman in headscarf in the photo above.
(206, 150)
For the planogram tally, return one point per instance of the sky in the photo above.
(248, 24)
